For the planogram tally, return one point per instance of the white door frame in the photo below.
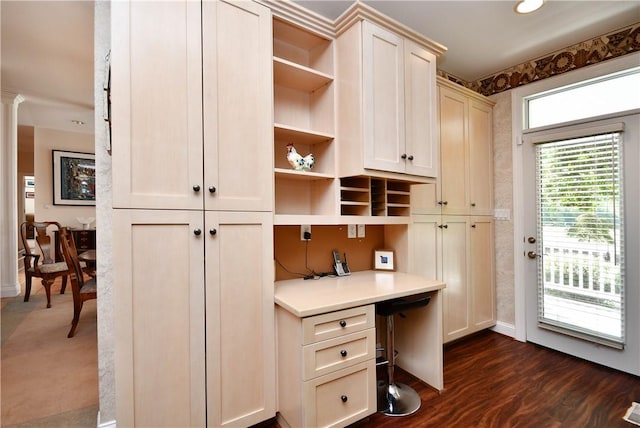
(517, 124)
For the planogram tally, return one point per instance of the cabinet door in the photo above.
(457, 300)
(159, 318)
(240, 318)
(482, 272)
(238, 106)
(453, 151)
(383, 99)
(420, 111)
(425, 243)
(480, 158)
(156, 104)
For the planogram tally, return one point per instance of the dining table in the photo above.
(89, 257)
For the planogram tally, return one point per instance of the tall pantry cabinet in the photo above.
(452, 230)
(192, 164)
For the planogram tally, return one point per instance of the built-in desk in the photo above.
(327, 305)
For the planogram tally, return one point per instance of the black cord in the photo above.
(303, 275)
(306, 254)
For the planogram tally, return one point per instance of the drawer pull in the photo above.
(344, 398)
(343, 353)
(343, 323)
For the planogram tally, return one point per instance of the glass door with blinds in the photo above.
(581, 272)
(580, 232)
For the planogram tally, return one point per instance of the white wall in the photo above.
(46, 140)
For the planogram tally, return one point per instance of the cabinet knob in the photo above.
(344, 398)
(343, 353)
(212, 189)
(343, 323)
(410, 157)
(442, 202)
(473, 225)
(473, 204)
(197, 232)
(213, 231)
(196, 187)
(403, 156)
(443, 226)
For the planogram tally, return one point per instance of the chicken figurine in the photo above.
(298, 162)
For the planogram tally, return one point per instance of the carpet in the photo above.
(48, 379)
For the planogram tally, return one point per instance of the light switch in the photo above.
(502, 214)
(361, 231)
(351, 231)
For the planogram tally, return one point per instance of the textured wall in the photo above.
(106, 370)
(503, 199)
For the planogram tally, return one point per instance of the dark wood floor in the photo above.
(492, 380)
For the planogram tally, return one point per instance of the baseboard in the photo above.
(108, 424)
(10, 290)
(504, 328)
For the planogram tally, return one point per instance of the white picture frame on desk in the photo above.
(384, 260)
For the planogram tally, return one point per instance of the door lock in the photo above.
(531, 240)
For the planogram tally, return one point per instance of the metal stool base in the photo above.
(402, 400)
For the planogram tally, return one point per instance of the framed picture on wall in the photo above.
(384, 260)
(74, 178)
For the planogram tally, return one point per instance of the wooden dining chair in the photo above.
(82, 290)
(41, 265)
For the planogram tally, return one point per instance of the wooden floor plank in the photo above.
(492, 380)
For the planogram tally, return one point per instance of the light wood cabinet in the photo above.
(174, 148)
(387, 90)
(240, 331)
(466, 146)
(327, 375)
(193, 220)
(159, 314)
(459, 250)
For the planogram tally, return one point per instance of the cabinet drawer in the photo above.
(342, 397)
(330, 355)
(334, 324)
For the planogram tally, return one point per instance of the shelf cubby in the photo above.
(304, 194)
(302, 47)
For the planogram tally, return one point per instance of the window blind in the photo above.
(580, 230)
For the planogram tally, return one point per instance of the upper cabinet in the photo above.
(465, 185)
(386, 103)
(157, 105)
(192, 106)
(466, 143)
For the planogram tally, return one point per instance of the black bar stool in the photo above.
(401, 399)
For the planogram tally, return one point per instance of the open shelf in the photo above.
(299, 135)
(303, 97)
(301, 175)
(295, 76)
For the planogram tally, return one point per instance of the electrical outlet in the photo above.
(361, 231)
(305, 228)
(351, 231)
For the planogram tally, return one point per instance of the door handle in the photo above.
(532, 254)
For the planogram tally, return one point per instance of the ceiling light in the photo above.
(528, 6)
(77, 122)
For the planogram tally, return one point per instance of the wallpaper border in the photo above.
(598, 49)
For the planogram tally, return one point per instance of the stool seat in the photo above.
(399, 399)
(392, 307)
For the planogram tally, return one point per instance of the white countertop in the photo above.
(304, 298)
